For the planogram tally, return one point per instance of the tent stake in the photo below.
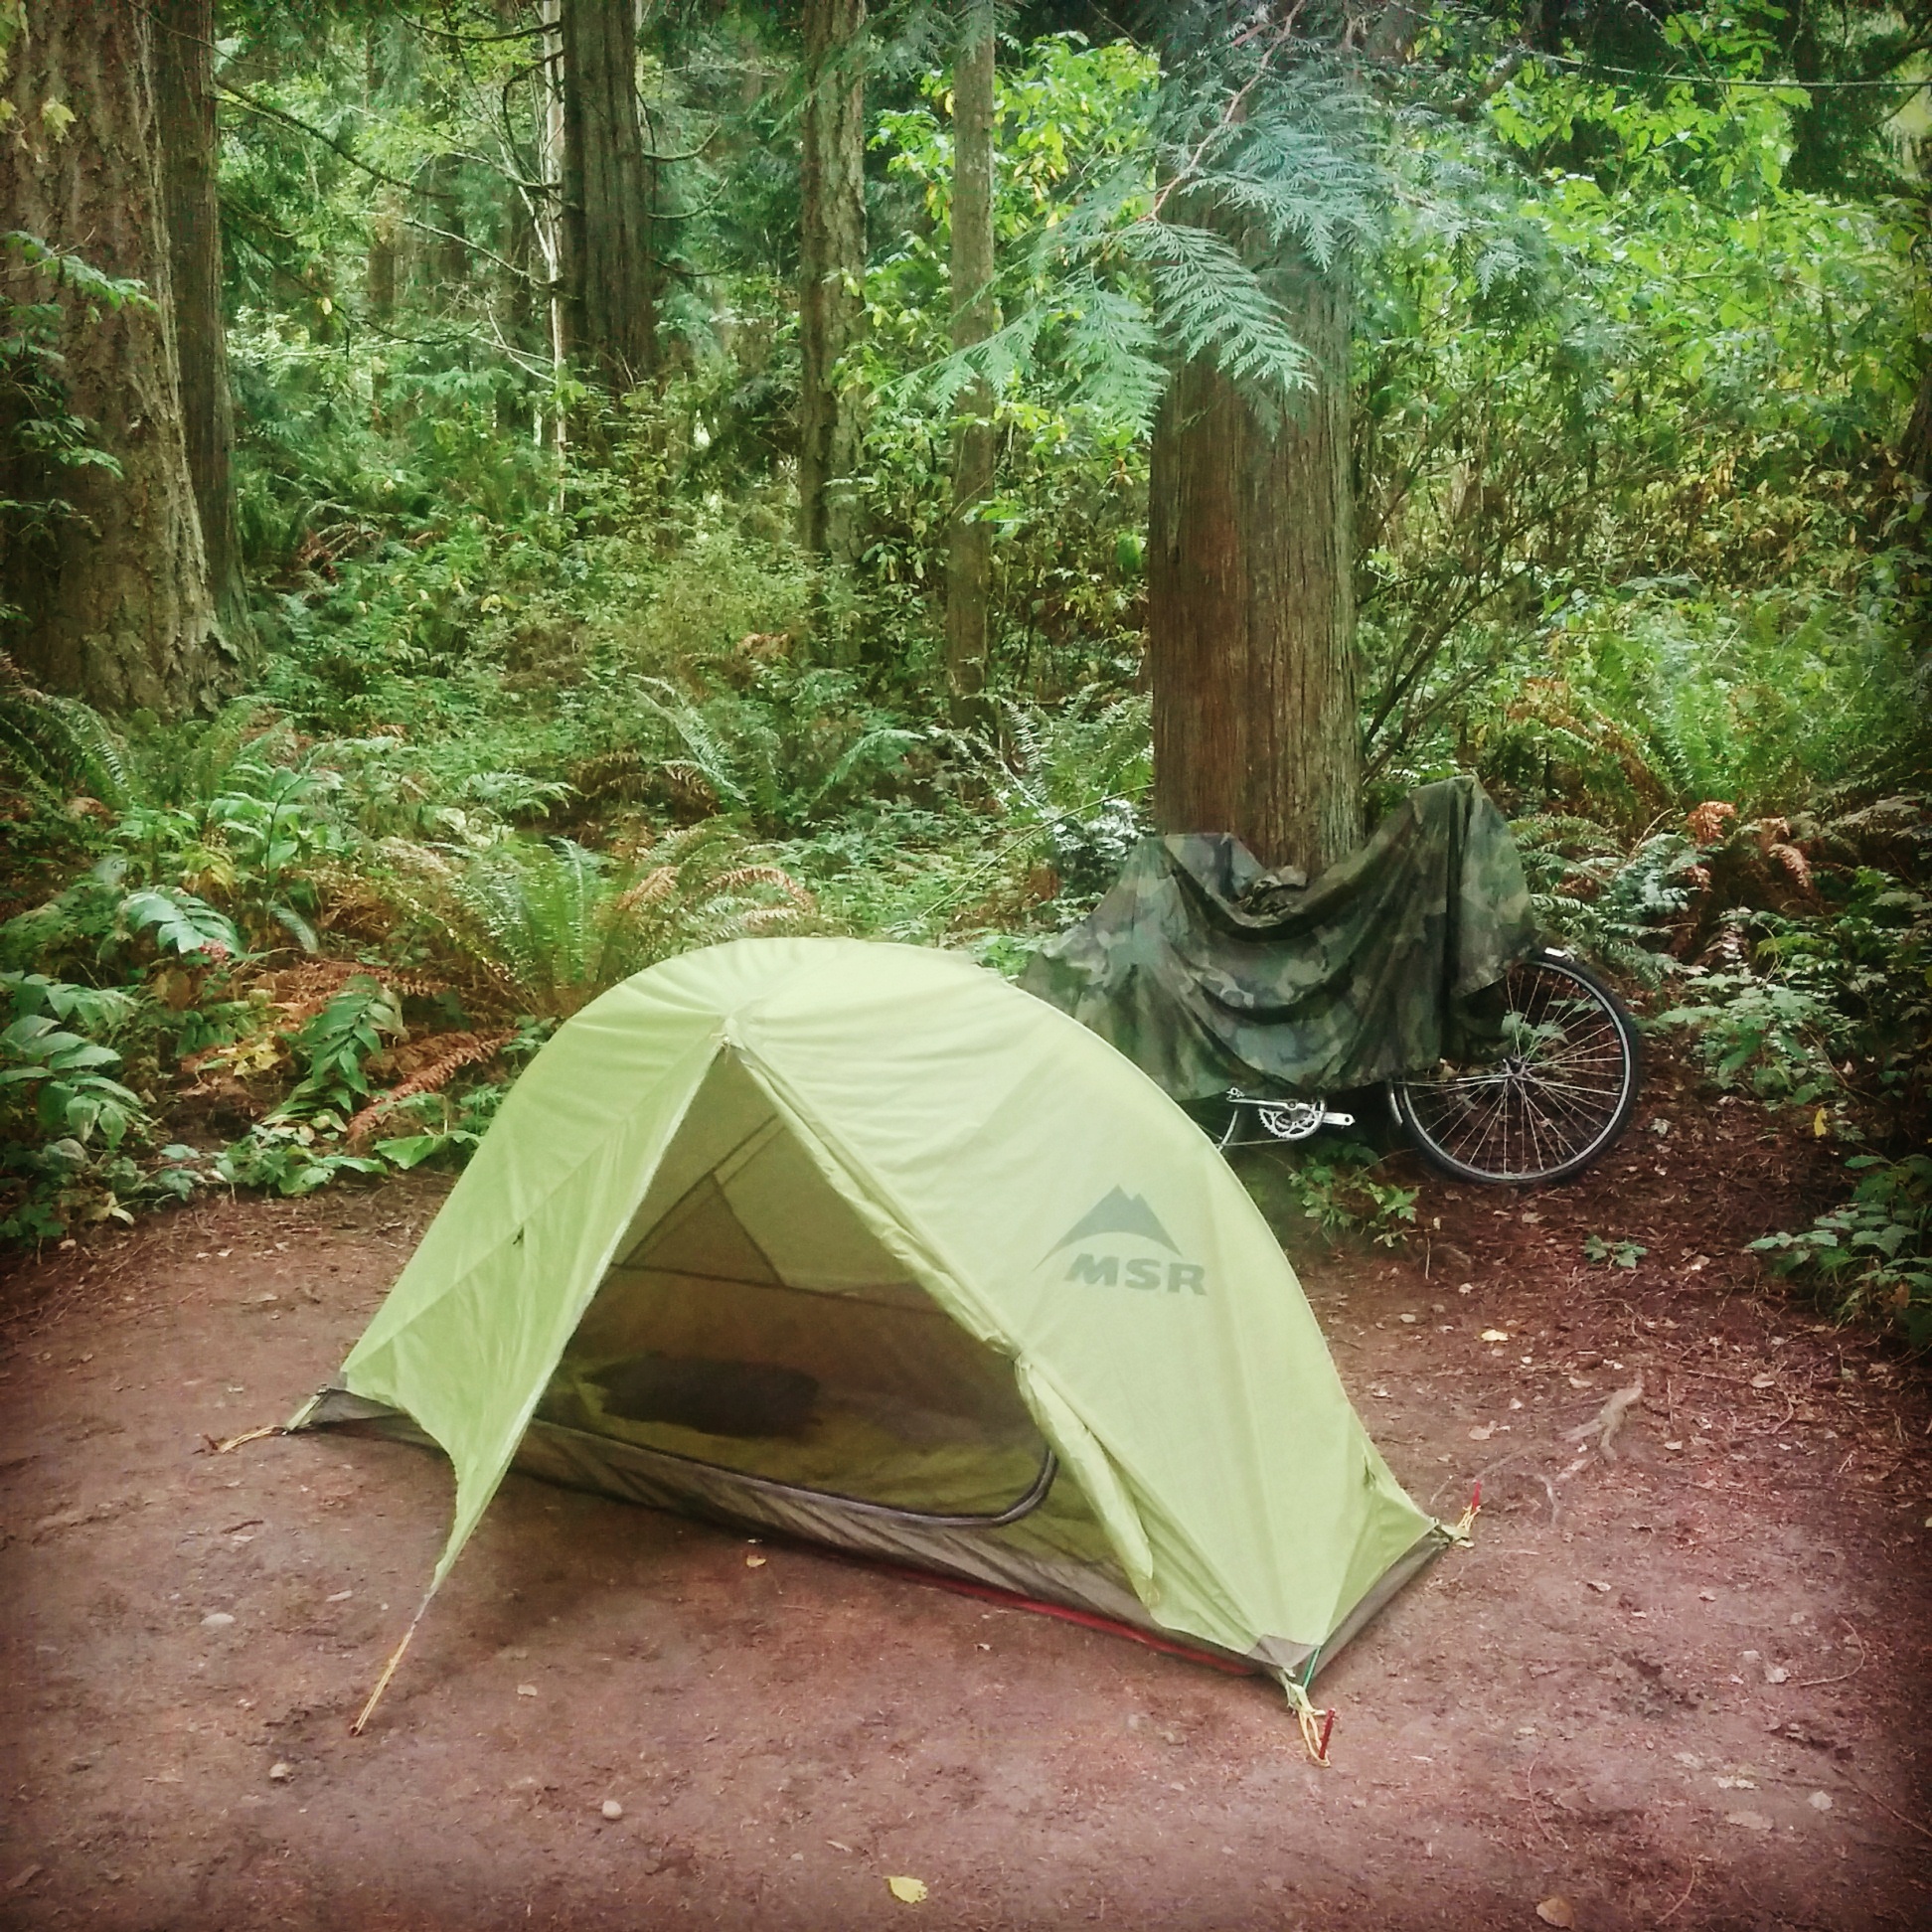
(388, 1668)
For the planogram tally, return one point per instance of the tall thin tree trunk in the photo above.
(118, 606)
(448, 256)
(1250, 604)
(185, 98)
(831, 269)
(381, 266)
(548, 217)
(969, 554)
(610, 268)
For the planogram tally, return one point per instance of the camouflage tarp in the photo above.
(1209, 972)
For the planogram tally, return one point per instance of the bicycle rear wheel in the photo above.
(1555, 1095)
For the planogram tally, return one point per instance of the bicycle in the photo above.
(1553, 1095)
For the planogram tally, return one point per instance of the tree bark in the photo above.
(831, 269)
(185, 98)
(1250, 604)
(118, 603)
(1915, 446)
(969, 557)
(610, 294)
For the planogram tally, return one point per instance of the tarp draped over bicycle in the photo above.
(1209, 972)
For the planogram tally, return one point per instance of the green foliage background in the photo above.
(1640, 326)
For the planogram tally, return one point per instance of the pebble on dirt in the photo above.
(612, 1810)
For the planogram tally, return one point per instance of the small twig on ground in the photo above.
(1910, 1823)
(1697, 1868)
(1529, 1792)
(1813, 1684)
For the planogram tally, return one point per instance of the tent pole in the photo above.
(388, 1668)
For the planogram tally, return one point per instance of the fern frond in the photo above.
(58, 746)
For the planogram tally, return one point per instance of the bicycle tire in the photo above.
(1550, 1108)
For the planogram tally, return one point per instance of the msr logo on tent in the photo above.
(1128, 1217)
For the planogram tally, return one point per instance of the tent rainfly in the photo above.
(858, 1243)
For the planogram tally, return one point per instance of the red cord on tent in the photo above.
(1086, 1619)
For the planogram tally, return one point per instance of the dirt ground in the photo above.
(1683, 1684)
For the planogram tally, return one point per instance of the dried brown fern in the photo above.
(463, 1050)
(1712, 821)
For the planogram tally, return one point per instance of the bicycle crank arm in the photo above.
(1285, 1120)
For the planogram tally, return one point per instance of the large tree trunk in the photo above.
(610, 294)
(1251, 605)
(185, 98)
(969, 556)
(831, 269)
(117, 604)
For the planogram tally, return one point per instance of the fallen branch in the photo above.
(1609, 1419)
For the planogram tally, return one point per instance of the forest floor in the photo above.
(1683, 1684)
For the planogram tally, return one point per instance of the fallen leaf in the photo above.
(909, 1891)
(281, 1771)
(1483, 1432)
(1599, 1588)
(1748, 1820)
(1776, 1674)
(1706, 1596)
(1556, 1910)
(526, 1689)
(754, 1563)
(1820, 1801)
(1411, 1318)
(1496, 1335)
(217, 1620)
(341, 1596)
(1764, 1382)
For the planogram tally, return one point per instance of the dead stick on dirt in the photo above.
(1696, 1871)
(389, 1670)
(1529, 1792)
(1844, 1677)
(1609, 1419)
(247, 1435)
(1910, 1823)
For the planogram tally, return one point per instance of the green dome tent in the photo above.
(859, 1242)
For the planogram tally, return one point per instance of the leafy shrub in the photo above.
(63, 1120)
(291, 1157)
(332, 1046)
(60, 1069)
(1873, 1256)
(1763, 1035)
